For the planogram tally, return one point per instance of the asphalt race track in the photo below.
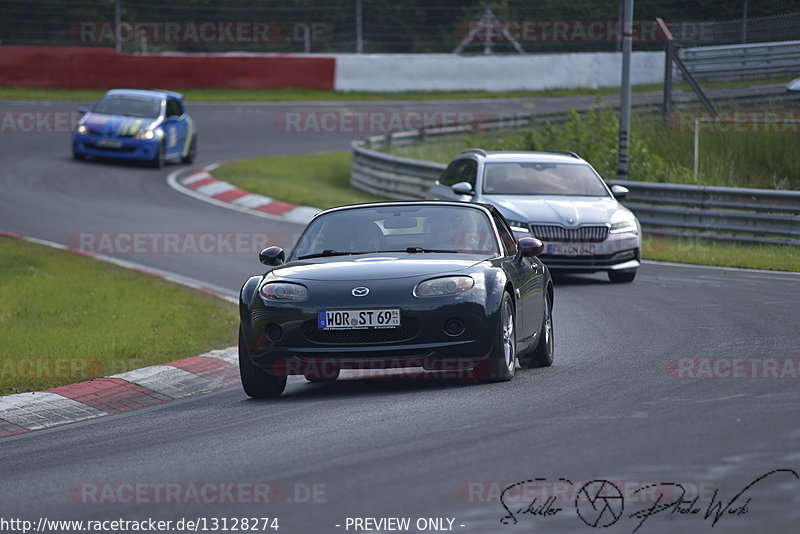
(613, 407)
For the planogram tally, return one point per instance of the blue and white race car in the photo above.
(135, 124)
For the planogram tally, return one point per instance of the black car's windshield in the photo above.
(131, 106)
(414, 229)
(536, 178)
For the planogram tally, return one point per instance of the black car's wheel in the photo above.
(257, 383)
(542, 355)
(617, 277)
(322, 375)
(190, 155)
(77, 156)
(502, 362)
(160, 159)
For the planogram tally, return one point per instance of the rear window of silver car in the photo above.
(539, 178)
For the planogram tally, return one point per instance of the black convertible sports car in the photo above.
(439, 285)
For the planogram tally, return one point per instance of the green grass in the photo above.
(702, 252)
(659, 152)
(65, 318)
(297, 94)
(318, 180)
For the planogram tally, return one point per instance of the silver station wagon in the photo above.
(559, 199)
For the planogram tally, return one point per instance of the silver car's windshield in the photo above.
(131, 106)
(413, 229)
(538, 178)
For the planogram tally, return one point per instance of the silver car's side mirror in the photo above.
(619, 191)
(462, 188)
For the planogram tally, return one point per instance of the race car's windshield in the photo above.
(416, 229)
(537, 178)
(131, 106)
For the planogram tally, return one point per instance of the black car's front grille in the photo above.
(409, 330)
(584, 234)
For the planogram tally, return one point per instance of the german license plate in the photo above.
(570, 249)
(109, 143)
(358, 319)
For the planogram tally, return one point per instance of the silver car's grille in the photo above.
(584, 234)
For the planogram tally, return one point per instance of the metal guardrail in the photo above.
(720, 213)
(744, 61)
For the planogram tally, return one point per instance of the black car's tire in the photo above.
(78, 157)
(257, 383)
(542, 355)
(192, 153)
(322, 375)
(502, 362)
(160, 158)
(617, 277)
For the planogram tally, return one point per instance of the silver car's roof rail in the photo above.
(480, 151)
(566, 152)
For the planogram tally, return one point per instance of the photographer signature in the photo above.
(600, 503)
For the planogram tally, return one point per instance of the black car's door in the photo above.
(527, 276)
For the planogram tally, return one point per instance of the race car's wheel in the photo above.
(322, 375)
(617, 277)
(257, 383)
(160, 159)
(502, 362)
(542, 355)
(190, 155)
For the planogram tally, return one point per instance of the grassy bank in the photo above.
(318, 180)
(65, 318)
(322, 180)
(659, 151)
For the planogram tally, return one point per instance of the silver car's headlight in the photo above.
(447, 285)
(284, 291)
(623, 222)
(518, 226)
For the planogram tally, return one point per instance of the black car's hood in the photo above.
(376, 266)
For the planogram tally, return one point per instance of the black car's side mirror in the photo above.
(530, 246)
(619, 191)
(272, 256)
(462, 188)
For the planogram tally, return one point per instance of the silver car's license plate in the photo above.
(356, 319)
(570, 249)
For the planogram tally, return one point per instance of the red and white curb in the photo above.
(201, 184)
(216, 369)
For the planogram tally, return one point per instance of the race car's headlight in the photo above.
(82, 129)
(447, 285)
(145, 134)
(623, 222)
(284, 291)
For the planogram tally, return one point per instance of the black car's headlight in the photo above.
(284, 292)
(446, 285)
